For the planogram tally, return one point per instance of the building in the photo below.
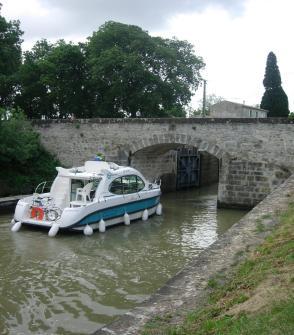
(228, 109)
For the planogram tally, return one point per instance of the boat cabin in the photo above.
(93, 182)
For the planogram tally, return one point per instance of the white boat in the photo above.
(94, 196)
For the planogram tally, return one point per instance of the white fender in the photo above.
(127, 220)
(53, 230)
(102, 226)
(88, 230)
(159, 209)
(145, 215)
(16, 227)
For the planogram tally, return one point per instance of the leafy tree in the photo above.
(10, 59)
(23, 161)
(39, 51)
(274, 98)
(34, 95)
(54, 81)
(135, 74)
(65, 73)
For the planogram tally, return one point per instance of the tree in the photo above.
(211, 99)
(274, 98)
(34, 95)
(24, 163)
(135, 74)
(54, 81)
(67, 79)
(10, 59)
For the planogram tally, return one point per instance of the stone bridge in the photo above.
(249, 157)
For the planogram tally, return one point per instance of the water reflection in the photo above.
(73, 284)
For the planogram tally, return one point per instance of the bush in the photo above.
(24, 163)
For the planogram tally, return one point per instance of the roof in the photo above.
(96, 169)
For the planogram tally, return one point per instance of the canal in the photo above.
(73, 284)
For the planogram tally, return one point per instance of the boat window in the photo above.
(75, 184)
(116, 186)
(80, 183)
(140, 184)
(126, 185)
(129, 184)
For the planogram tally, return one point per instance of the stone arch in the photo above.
(178, 138)
(155, 156)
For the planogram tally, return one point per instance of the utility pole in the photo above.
(204, 98)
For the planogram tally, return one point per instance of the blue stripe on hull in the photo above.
(117, 211)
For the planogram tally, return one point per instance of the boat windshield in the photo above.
(87, 184)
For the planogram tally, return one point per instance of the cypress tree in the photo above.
(274, 98)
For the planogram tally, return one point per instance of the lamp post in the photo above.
(204, 98)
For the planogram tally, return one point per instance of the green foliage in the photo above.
(54, 81)
(275, 101)
(10, 59)
(274, 98)
(260, 228)
(121, 71)
(272, 76)
(278, 320)
(66, 77)
(34, 97)
(212, 283)
(135, 74)
(23, 161)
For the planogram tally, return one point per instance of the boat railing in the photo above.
(43, 187)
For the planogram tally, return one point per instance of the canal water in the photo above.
(73, 284)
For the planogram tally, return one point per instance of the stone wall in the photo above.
(264, 141)
(154, 164)
(244, 184)
(209, 169)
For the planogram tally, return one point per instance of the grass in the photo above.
(260, 228)
(257, 299)
(278, 320)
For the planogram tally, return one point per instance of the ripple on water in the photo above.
(74, 284)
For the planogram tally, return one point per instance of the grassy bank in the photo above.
(257, 298)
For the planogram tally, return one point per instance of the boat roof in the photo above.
(96, 169)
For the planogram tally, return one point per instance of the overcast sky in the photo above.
(234, 37)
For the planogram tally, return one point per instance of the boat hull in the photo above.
(115, 221)
(111, 211)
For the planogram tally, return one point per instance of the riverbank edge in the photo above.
(187, 289)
